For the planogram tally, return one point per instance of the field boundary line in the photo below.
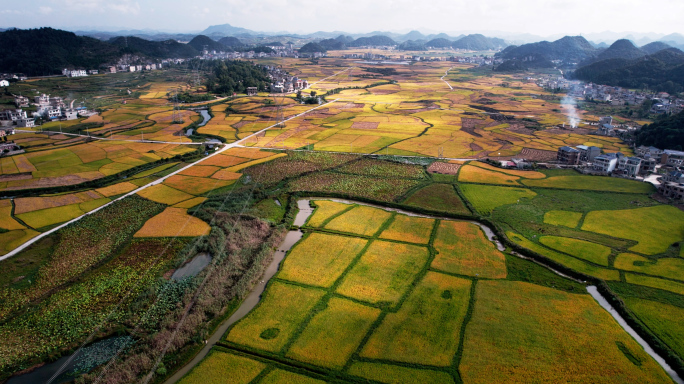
(445, 75)
(109, 138)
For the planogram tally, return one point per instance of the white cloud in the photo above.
(126, 7)
(45, 10)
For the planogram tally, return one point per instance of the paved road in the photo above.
(445, 75)
(161, 180)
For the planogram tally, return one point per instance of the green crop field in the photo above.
(654, 282)
(521, 332)
(568, 261)
(655, 228)
(463, 249)
(672, 268)
(565, 218)
(595, 253)
(438, 197)
(486, 198)
(592, 183)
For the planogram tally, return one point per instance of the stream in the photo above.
(205, 114)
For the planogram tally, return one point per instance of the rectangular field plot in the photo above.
(463, 249)
(523, 333)
(320, 259)
(361, 220)
(279, 376)
(173, 222)
(333, 334)
(160, 193)
(395, 374)
(486, 198)
(427, 328)
(384, 272)
(593, 183)
(655, 228)
(271, 324)
(325, 210)
(224, 368)
(595, 253)
(409, 229)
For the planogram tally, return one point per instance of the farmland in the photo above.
(367, 293)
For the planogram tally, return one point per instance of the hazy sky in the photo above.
(541, 17)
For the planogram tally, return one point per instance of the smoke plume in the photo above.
(569, 105)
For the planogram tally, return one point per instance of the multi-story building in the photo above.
(672, 190)
(75, 73)
(672, 158)
(568, 155)
(588, 154)
(649, 152)
(15, 117)
(629, 166)
(21, 101)
(605, 163)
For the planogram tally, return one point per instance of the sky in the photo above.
(539, 17)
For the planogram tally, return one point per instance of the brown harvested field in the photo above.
(537, 154)
(16, 176)
(225, 174)
(248, 153)
(365, 125)
(444, 168)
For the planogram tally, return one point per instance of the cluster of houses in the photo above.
(7, 146)
(662, 102)
(647, 161)
(282, 82)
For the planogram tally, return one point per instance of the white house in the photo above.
(629, 166)
(4, 83)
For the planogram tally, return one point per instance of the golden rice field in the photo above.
(377, 278)
(283, 308)
(324, 210)
(654, 282)
(360, 220)
(161, 193)
(221, 367)
(410, 229)
(522, 333)
(173, 222)
(463, 249)
(426, 329)
(320, 259)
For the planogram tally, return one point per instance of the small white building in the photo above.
(4, 83)
(629, 166)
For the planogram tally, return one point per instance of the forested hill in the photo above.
(46, 51)
(661, 71)
(667, 133)
(155, 49)
(569, 48)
